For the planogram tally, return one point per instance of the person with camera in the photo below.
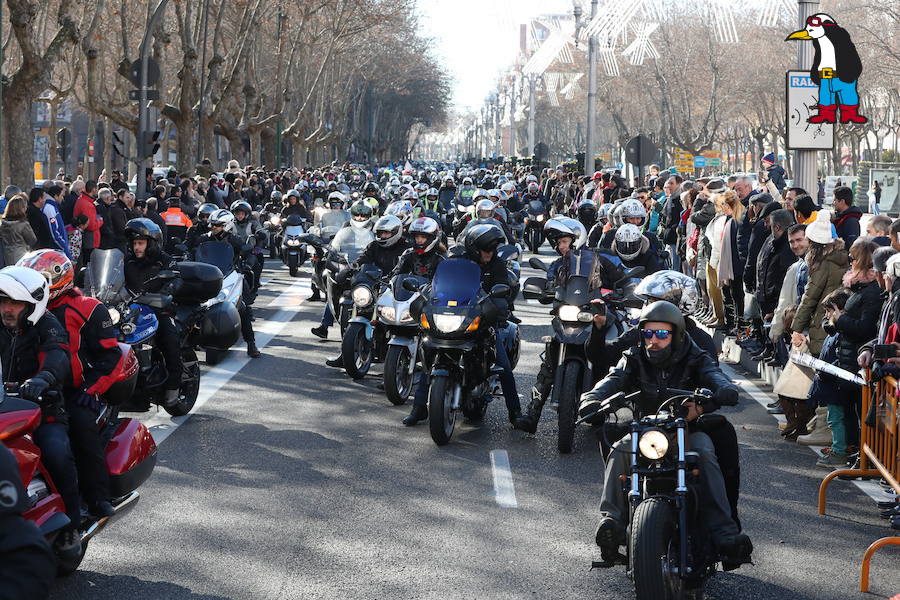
(666, 358)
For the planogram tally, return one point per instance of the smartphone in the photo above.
(884, 351)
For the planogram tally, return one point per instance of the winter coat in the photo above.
(671, 219)
(383, 258)
(758, 236)
(745, 232)
(18, 239)
(775, 257)
(786, 298)
(420, 265)
(823, 280)
(85, 206)
(859, 322)
(39, 226)
(846, 224)
(775, 173)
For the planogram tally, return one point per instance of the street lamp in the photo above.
(592, 84)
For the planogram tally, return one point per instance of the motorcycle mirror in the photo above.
(181, 248)
(410, 285)
(533, 288)
(537, 263)
(165, 276)
(499, 291)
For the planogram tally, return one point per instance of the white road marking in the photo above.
(162, 425)
(300, 290)
(870, 488)
(504, 490)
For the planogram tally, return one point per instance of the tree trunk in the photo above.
(255, 156)
(268, 141)
(185, 145)
(107, 145)
(20, 138)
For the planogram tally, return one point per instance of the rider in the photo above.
(294, 206)
(95, 364)
(631, 211)
(667, 358)
(144, 260)
(486, 214)
(32, 352)
(635, 249)
(201, 225)
(567, 237)
(221, 226)
(389, 244)
(248, 230)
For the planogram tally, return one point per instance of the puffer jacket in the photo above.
(688, 368)
(826, 278)
(858, 323)
(775, 258)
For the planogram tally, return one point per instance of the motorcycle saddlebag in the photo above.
(221, 327)
(199, 282)
(126, 380)
(130, 457)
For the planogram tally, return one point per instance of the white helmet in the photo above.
(402, 209)
(484, 209)
(558, 227)
(531, 178)
(26, 285)
(509, 187)
(222, 218)
(629, 242)
(681, 290)
(336, 197)
(391, 224)
(634, 209)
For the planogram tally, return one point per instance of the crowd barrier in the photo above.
(879, 456)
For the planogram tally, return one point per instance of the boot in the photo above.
(827, 114)
(802, 414)
(821, 435)
(529, 422)
(790, 413)
(320, 332)
(336, 362)
(418, 413)
(252, 350)
(849, 114)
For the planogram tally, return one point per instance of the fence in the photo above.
(879, 456)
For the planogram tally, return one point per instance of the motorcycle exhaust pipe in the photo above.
(122, 507)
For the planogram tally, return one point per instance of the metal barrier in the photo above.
(879, 456)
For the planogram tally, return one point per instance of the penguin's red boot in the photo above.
(827, 114)
(849, 114)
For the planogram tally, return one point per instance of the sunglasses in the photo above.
(817, 22)
(661, 334)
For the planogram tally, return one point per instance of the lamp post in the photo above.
(592, 86)
(532, 91)
(805, 160)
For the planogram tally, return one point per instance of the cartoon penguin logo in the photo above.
(9, 497)
(835, 69)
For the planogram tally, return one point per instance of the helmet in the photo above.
(241, 205)
(533, 188)
(407, 179)
(603, 212)
(276, 196)
(588, 209)
(664, 312)
(449, 179)
(336, 198)
(411, 196)
(370, 188)
(479, 194)
(634, 209)
(402, 209)
(421, 189)
(467, 181)
(391, 224)
(484, 209)
(430, 229)
(431, 193)
(293, 194)
(144, 229)
(671, 286)
(54, 266)
(493, 193)
(208, 208)
(531, 178)
(597, 176)
(26, 285)
(615, 215)
(360, 214)
(509, 187)
(558, 227)
(629, 242)
(222, 218)
(320, 185)
(484, 237)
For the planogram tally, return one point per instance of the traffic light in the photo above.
(118, 145)
(149, 143)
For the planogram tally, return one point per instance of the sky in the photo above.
(478, 38)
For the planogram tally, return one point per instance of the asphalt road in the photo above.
(292, 481)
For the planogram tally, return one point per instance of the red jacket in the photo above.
(85, 206)
(93, 349)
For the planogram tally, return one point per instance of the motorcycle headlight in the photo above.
(540, 218)
(293, 242)
(387, 313)
(405, 317)
(574, 313)
(275, 220)
(653, 444)
(448, 323)
(362, 296)
(114, 316)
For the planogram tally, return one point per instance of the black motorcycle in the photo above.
(575, 304)
(670, 552)
(363, 342)
(535, 218)
(458, 345)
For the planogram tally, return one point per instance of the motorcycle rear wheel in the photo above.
(356, 351)
(568, 406)
(398, 381)
(190, 384)
(441, 416)
(68, 566)
(652, 535)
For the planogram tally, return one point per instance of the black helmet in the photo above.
(241, 205)
(484, 237)
(144, 229)
(360, 214)
(370, 188)
(663, 312)
(206, 209)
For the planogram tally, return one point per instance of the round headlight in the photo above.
(540, 218)
(362, 296)
(653, 444)
(387, 313)
(568, 312)
(448, 323)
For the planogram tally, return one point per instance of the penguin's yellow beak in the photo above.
(799, 35)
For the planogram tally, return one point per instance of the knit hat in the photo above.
(821, 231)
(769, 158)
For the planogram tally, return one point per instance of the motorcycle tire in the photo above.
(652, 535)
(190, 384)
(67, 567)
(356, 351)
(475, 407)
(441, 416)
(273, 251)
(294, 270)
(398, 381)
(568, 407)
(214, 357)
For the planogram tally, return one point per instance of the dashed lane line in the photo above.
(504, 489)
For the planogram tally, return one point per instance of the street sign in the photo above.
(136, 95)
(640, 151)
(134, 72)
(802, 96)
(699, 162)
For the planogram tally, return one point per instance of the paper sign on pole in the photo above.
(802, 96)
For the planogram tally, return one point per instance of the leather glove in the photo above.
(726, 396)
(32, 388)
(91, 401)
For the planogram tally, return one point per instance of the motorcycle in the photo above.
(535, 217)
(130, 456)
(670, 554)
(134, 318)
(458, 351)
(273, 234)
(293, 250)
(363, 340)
(344, 249)
(575, 305)
(395, 314)
(221, 256)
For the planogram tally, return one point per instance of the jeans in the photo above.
(90, 458)
(56, 453)
(714, 503)
(834, 91)
(836, 420)
(328, 317)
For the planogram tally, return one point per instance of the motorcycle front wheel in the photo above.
(652, 537)
(441, 416)
(356, 350)
(190, 384)
(398, 381)
(293, 265)
(568, 406)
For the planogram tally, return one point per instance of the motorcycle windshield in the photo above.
(220, 254)
(457, 282)
(400, 293)
(351, 241)
(334, 219)
(536, 207)
(106, 273)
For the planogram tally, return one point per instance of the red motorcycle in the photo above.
(130, 458)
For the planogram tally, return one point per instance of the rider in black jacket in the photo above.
(389, 244)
